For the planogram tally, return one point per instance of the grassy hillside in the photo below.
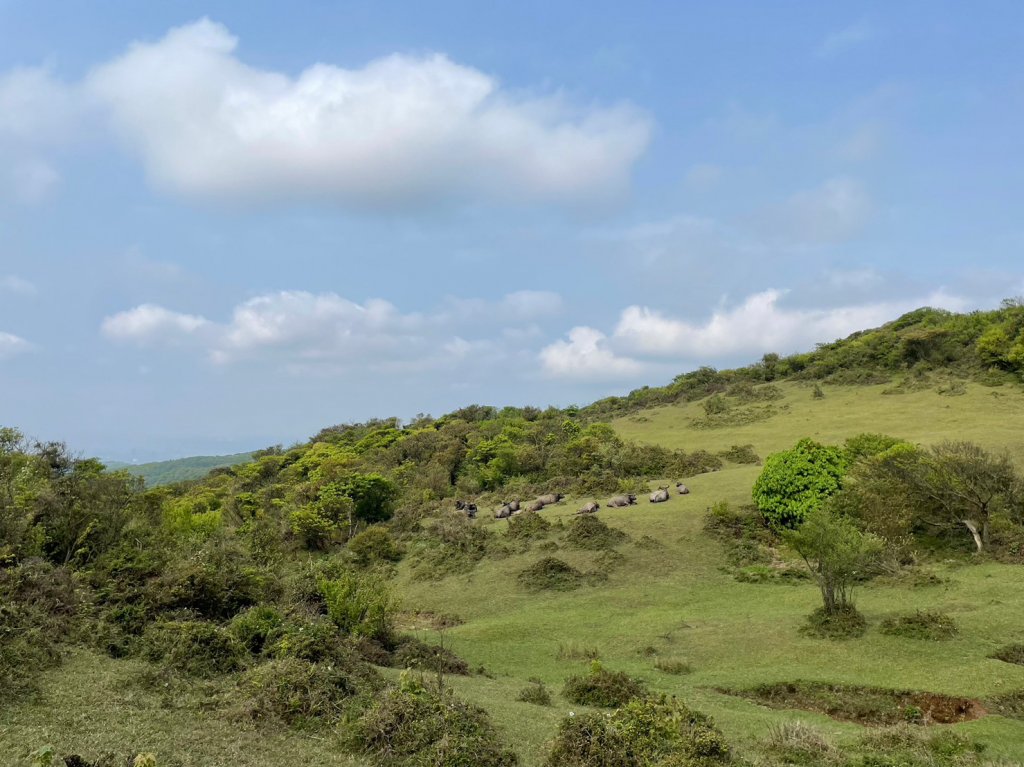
(175, 470)
(667, 604)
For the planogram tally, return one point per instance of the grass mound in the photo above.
(535, 692)
(551, 574)
(592, 533)
(527, 526)
(193, 648)
(601, 687)
(865, 705)
(413, 725)
(846, 623)
(923, 624)
(1010, 705)
(672, 666)
(416, 654)
(742, 454)
(298, 693)
(450, 545)
(1011, 653)
(643, 732)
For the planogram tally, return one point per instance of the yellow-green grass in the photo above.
(991, 416)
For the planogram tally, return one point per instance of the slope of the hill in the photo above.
(156, 473)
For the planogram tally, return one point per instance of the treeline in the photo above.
(986, 345)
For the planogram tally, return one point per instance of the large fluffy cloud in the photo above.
(298, 327)
(761, 323)
(400, 130)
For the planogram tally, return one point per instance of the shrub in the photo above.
(361, 605)
(796, 743)
(574, 651)
(450, 545)
(672, 666)
(842, 623)
(551, 574)
(311, 527)
(923, 624)
(316, 640)
(645, 731)
(193, 648)
(374, 545)
(413, 653)
(796, 481)
(412, 725)
(297, 692)
(535, 692)
(527, 526)
(602, 688)
(589, 532)
(1012, 653)
(214, 582)
(744, 454)
(254, 626)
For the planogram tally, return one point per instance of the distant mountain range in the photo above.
(179, 469)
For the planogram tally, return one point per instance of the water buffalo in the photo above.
(660, 495)
(504, 512)
(460, 505)
(471, 510)
(536, 505)
(513, 505)
(551, 498)
(622, 500)
(683, 489)
(589, 508)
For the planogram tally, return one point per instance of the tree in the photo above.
(373, 498)
(795, 482)
(836, 553)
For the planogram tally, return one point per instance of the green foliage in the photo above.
(795, 482)
(374, 545)
(312, 528)
(551, 574)
(215, 581)
(193, 648)
(922, 624)
(361, 605)
(1011, 653)
(607, 689)
(157, 473)
(413, 725)
(317, 640)
(255, 626)
(744, 454)
(536, 692)
(844, 622)
(589, 532)
(527, 526)
(299, 693)
(416, 654)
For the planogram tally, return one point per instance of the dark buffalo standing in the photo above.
(683, 489)
(622, 500)
(589, 508)
(660, 495)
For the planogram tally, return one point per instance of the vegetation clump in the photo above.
(551, 574)
(743, 454)
(601, 687)
(1011, 653)
(645, 731)
(372, 546)
(589, 532)
(923, 624)
(536, 692)
(841, 623)
(416, 654)
(194, 648)
(527, 526)
(299, 693)
(796, 482)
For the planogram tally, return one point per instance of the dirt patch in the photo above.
(865, 705)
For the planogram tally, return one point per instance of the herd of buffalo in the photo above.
(511, 508)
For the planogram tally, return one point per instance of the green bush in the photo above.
(414, 726)
(416, 654)
(744, 454)
(374, 545)
(316, 640)
(297, 692)
(589, 532)
(193, 648)
(551, 574)
(842, 623)
(315, 530)
(254, 626)
(1012, 653)
(215, 582)
(923, 624)
(602, 688)
(536, 692)
(361, 605)
(527, 526)
(797, 481)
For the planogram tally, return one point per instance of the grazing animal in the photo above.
(514, 505)
(536, 505)
(622, 500)
(683, 489)
(660, 495)
(471, 510)
(504, 512)
(460, 505)
(589, 508)
(551, 498)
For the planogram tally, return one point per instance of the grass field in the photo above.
(668, 597)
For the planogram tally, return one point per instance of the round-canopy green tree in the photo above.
(796, 481)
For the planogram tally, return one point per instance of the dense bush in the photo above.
(551, 574)
(317, 640)
(255, 626)
(589, 532)
(413, 725)
(374, 545)
(297, 692)
(795, 482)
(527, 526)
(1012, 653)
(536, 692)
(416, 654)
(602, 688)
(842, 623)
(193, 648)
(361, 605)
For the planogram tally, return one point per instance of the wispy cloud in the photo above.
(845, 39)
(12, 345)
(11, 283)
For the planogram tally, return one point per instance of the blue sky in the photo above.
(227, 225)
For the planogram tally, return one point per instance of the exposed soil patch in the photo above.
(865, 705)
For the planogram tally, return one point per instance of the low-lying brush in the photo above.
(744, 454)
(416, 654)
(601, 687)
(923, 624)
(672, 666)
(193, 648)
(551, 574)
(642, 732)
(452, 544)
(527, 526)
(298, 693)
(1011, 653)
(535, 692)
(413, 725)
(592, 533)
(843, 623)
(576, 651)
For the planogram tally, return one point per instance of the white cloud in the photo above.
(11, 283)
(757, 325)
(151, 324)
(586, 354)
(401, 130)
(531, 304)
(845, 39)
(12, 345)
(832, 212)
